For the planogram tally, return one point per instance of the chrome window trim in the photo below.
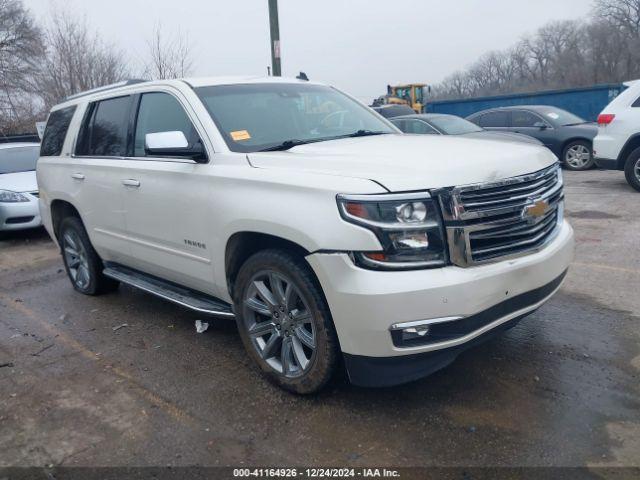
(136, 159)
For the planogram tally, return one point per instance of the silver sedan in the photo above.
(18, 186)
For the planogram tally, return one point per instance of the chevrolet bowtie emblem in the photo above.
(537, 209)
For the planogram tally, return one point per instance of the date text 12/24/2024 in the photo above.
(316, 473)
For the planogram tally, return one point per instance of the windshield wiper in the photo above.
(364, 133)
(286, 145)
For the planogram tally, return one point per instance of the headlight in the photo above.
(408, 227)
(12, 197)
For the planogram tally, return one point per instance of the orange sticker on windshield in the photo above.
(240, 135)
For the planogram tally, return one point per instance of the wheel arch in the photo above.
(632, 144)
(61, 209)
(241, 245)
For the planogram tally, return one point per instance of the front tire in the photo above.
(578, 156)
(82, 263)
(632, 169)
(284, 321)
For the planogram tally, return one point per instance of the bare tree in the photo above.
(76, 60)
(606, 48)
(624, 14)
(169, 56)
(21, 50)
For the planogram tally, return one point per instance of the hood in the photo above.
(19, 182)
(503, 136)
(411, 162)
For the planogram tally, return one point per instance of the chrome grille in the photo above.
(494, 221)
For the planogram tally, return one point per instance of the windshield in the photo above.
(561, 117)
(255, 117)
(18, 159)
(452, 125)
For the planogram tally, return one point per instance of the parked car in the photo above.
(391, 111)
(442, 124)
(18, 186)
(617, 146)
(565, 134)
(313, 221)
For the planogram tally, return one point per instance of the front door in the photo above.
(533, 125)
(168, 200)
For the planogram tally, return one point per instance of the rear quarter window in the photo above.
(56, 131)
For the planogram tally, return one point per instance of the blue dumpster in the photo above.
(586, 102)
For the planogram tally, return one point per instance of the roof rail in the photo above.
(123, 83)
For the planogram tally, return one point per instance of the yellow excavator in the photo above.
(411, 94)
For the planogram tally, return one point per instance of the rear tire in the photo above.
(284, 321)
(578, 156)
(83, 265)
(632, 169)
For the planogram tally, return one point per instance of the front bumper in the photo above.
(364, 304)
(21, 215)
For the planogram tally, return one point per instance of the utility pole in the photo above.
(275, 37)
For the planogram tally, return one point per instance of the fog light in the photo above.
(412, 333)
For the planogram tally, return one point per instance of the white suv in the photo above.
(617, 146)
(309, 218)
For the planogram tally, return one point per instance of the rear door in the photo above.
(168, 200)
(496, 120)
(94, 173)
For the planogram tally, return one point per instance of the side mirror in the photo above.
(541, 125)
(173, 144)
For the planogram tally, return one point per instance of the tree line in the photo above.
(604, 48)
(41, 64)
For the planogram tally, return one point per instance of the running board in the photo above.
(186, 297)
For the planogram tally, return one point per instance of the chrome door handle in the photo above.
(77, 176)
(131, 183)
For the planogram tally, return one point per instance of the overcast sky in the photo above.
(358, 45)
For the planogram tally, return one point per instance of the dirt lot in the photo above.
(561, 389)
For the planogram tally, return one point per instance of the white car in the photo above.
(18, 186)
(318, 225)
(617, 145)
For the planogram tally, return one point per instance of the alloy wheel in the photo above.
(578, 156)
(636, 170)
(76, 259)
(279, 323)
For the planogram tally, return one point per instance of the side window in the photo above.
(56, 131)
(401, 124)
(636, 103)
(418, 126)
(161, 112)
(104, 133)
(494, 119)
(520, 118)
